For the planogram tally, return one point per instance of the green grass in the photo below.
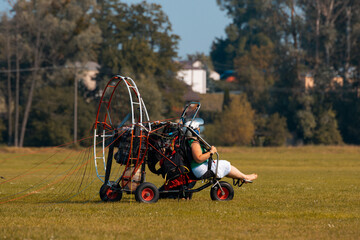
(301, 193)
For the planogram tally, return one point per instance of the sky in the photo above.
(197, 22)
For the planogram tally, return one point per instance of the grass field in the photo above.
(301, 193)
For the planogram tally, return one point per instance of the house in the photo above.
(194, 75)
(309, 82)
(214, 75)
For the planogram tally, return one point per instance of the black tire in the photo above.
(217, 195)
(147, 193)
(110, 193)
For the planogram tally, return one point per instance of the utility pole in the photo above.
(17, 88)
(75, 105)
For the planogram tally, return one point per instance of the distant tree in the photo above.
(2, 129)
(295, 38)
(349, 118)
(306, 125)
(234, 127)
(152, 97)
(5, 56)
(256, 75)
(346, 56)
(288, 90)
(222, 55)
(252, 43)
(321, 34)
(275, 131)
(137, 42)
(327, 129)
(254, 23)
(37, 27)
(227, 100)
(305, 119)
(51, 121)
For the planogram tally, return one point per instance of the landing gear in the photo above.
(225, 193)
(111, 193)
(147, 193)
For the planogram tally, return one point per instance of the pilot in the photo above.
(199, 164)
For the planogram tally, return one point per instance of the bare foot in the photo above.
(251, 177)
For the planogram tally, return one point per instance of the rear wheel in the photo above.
(111, 193)
(226, 194)
(147, 193)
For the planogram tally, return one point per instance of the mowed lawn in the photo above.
(310, 192)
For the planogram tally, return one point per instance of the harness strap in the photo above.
(210, 162)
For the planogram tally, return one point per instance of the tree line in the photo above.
(273, 46)
(44, 46)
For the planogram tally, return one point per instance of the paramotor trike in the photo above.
(122, 123)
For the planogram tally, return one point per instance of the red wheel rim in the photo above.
(147, 194)
(222, 196)
(111, 194)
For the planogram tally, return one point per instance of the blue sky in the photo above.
(197, 22)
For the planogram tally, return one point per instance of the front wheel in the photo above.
(111, 193)
(147, 193)
(226, 194)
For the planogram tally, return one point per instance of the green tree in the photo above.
(227, 100)
(296, 38)
(152, 97)
(327, 129)
(255, 22)
(346, 55)
(252, 43)
(306, 125)
(37, 28)
(255, 72)
(137, 42)
(5, 57)
(349, 118)
(320, 35)
(275, 131)
(305, 119)
(51, 121)
(235, 126)
(2, 129)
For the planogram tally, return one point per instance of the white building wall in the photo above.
(195, 78)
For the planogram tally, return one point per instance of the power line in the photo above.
(42, 68)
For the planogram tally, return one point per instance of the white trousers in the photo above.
(223, 170)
